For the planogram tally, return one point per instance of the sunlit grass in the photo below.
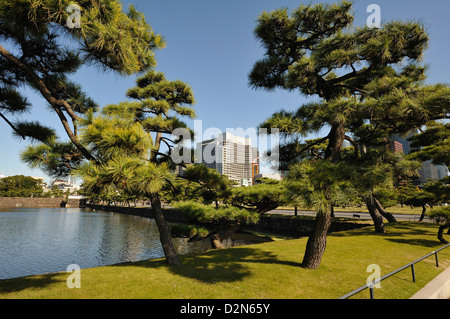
(268, 270)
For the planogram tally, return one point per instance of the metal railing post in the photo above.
(437, 261)
(372, 295)
(413, 273)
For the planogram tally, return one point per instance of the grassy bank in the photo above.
(268, 270)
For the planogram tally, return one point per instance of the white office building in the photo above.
(230, 155)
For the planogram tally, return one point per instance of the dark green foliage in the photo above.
(441, 215)
(20, 186)
(207, 214)
(432, 144)
(34, 54)
(369, 85)
(262, 198)
(212, 186)
(192, 232)
(55, 158)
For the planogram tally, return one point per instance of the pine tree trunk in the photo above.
(317, 241)
(424, 210)
(222, 234)
(164, 232)
(376, 216)
(390, 218)
(441, 234)
(216, 242)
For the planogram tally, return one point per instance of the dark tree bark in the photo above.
(164, 232)
(441, 234)
(424, 210)
(222, 234)
(376, 216)
(317, 241)
(390, 218)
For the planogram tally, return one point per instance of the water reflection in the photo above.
(42, 240)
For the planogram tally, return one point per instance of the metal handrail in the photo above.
(371, 285)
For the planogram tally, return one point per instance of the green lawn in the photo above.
(268, 270)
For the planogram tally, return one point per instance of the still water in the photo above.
(42, 240)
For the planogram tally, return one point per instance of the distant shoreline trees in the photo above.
(21, 186)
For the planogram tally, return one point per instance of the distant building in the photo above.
(395, 147)
(404, 140)
(232, 156)
(428, 171)
(65, 185)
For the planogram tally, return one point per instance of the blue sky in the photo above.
(211, 46)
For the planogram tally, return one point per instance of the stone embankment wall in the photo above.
(294, 227)
(37, 202)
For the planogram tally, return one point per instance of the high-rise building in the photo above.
(230, 155)
(428, 171)
(404, 140)
(395, 147)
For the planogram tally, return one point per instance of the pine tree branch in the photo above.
(350, 75)
(55, 103)
(12, 125)
(39, 83)
(313, 144)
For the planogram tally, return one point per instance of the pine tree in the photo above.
(35, 54)
(126, 139)
(113, 40)
(368, 80)
(433, 144)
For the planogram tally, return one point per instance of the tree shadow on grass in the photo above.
(37, 282)
(225, 265)
(418, 242)
(393, 229)
(411, 233)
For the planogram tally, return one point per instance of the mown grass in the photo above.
(268, 270)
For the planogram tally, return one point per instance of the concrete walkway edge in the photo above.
(438, 288)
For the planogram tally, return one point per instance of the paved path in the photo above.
(352, 215)
(439, 288)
